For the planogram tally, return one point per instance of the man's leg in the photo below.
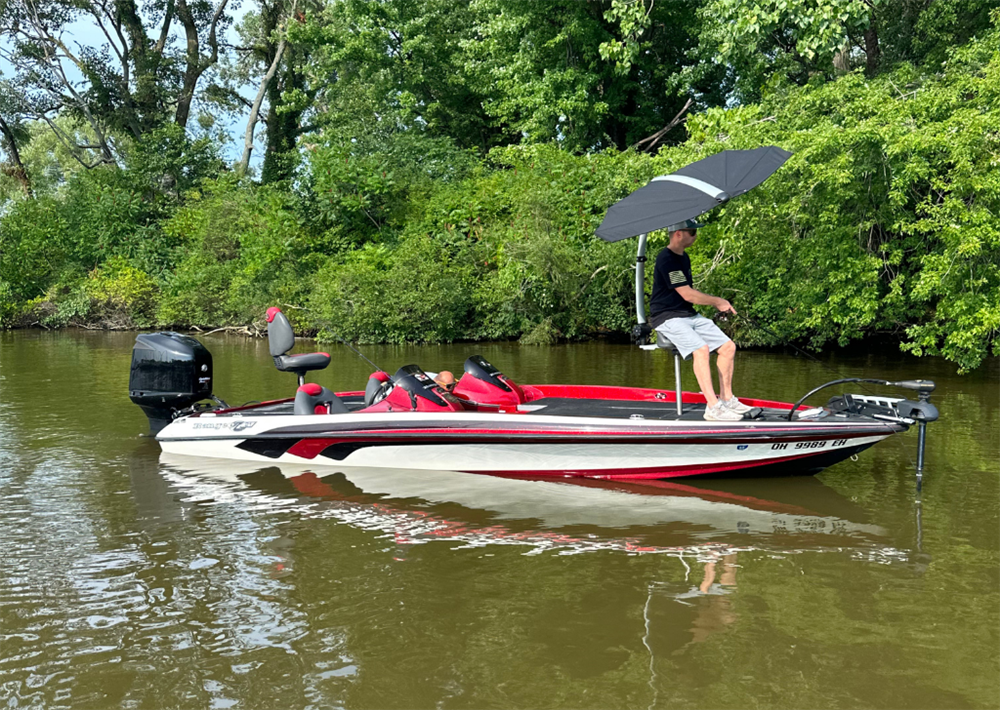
(703, 372)
(724, 363)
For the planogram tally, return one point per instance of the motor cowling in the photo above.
(169, 372)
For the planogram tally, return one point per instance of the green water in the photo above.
(127, 581)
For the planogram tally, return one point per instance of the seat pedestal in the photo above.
(664, 343)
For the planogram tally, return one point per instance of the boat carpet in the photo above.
(624, 409)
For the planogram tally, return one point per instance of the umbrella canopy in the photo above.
(691, 191)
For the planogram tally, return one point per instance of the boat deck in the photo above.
(571, 407)
(617, 409)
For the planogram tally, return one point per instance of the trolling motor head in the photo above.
(921, 411)
(922, 387)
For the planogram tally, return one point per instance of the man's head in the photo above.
(683, 234)
(445, 379)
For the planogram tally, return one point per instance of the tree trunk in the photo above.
(255, 109)
(195, 66)
(192, 69)
(872, 50)
(17, 170)
(283, 127)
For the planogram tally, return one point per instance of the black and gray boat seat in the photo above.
(281, 339)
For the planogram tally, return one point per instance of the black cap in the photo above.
(686, 224)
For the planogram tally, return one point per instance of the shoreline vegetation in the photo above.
(387, 215)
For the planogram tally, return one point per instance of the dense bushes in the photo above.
(882, 221)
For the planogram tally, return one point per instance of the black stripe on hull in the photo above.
(800, 467)
(271, 448)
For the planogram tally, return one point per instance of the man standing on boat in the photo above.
(672, 313)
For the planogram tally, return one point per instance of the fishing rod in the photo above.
(760, 326)
(361, 355)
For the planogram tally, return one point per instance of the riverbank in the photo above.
(881, 345)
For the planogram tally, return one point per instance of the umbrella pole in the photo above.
(640, 280)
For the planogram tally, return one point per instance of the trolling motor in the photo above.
(905, 411)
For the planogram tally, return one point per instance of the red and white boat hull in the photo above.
(530, 445)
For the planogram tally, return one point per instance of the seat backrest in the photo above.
(314, 399)
(377, 388)
(280, 336)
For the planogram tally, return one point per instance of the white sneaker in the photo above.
(719, 413)
(735, 405)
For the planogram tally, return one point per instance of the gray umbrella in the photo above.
(691, 191)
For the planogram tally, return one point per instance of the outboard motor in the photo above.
(169, 372)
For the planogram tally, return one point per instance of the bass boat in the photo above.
(491, 424)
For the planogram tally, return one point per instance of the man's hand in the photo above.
(724, 306)
(704, 299)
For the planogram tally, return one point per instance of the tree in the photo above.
(14, 134)
(128, 85)
(766, 39)
(588, 75)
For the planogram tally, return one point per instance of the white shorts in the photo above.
(690, 334)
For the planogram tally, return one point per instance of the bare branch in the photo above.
(655, 138)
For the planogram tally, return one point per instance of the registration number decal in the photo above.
(808, 445)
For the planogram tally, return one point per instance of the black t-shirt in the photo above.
(672, 270)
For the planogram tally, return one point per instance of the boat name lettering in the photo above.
(810, 445)
(232, 426)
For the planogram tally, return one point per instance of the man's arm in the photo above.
(698, 298)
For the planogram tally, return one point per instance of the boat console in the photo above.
(483, 383)
(414, 391)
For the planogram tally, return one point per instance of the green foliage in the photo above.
(587, 75)
(48, 160)
(397, 230)
(766, 42)
(883, 219)
(121, 295)
(416, 293)
(167, 161)
(8, 305)
(240, 250)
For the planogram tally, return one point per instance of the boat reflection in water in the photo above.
(710, 530)
(705, 523)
